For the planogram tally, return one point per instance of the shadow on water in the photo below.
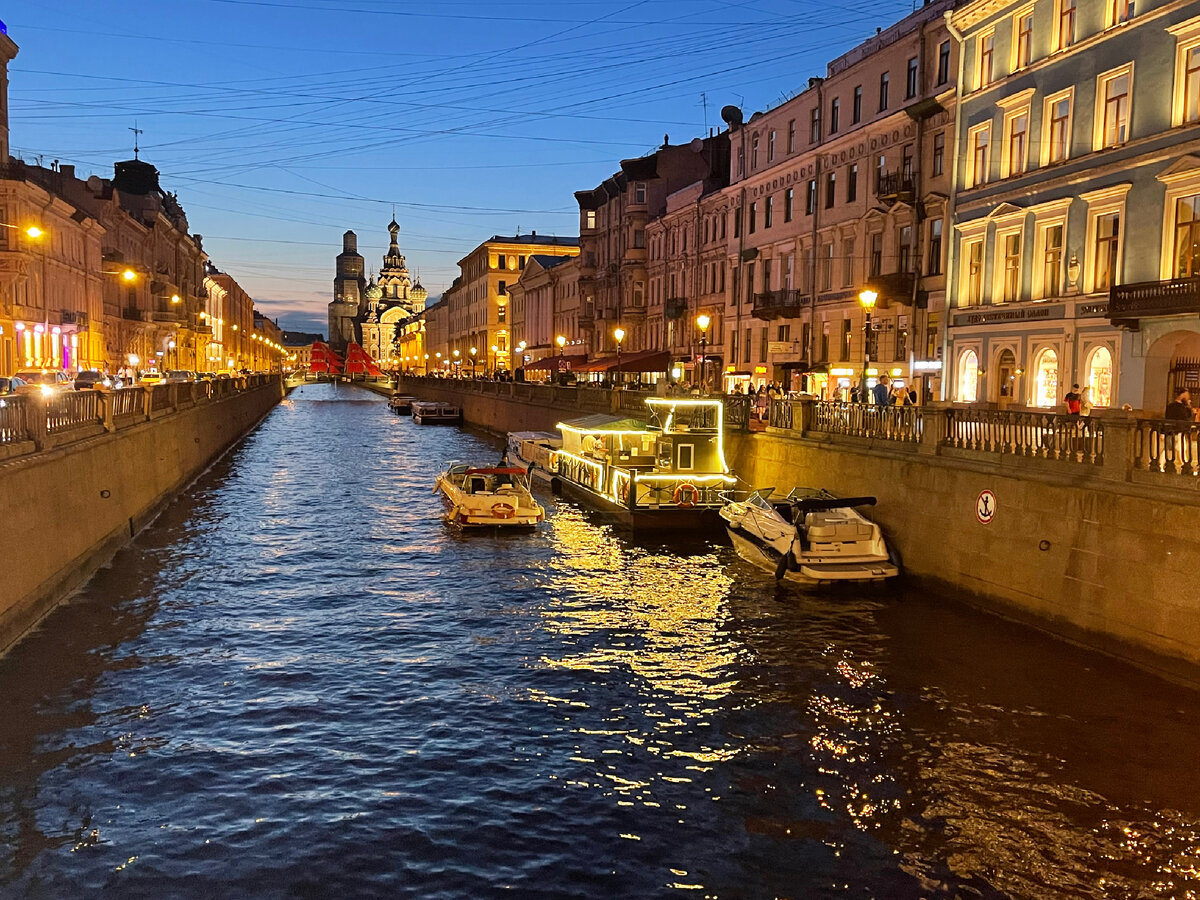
(299, 682)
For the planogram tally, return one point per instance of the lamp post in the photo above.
(473, 351)
(703, 321)
(521, 353)
(867, 298)
(171, 355)
(619, 334)
(495, 359)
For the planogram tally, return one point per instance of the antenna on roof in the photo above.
(136, 131)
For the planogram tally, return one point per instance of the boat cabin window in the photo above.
(478, 484)
(686, 457)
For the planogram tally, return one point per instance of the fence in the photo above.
(1167, 446)
(889, 423)
(69, 410)
(1076, 439)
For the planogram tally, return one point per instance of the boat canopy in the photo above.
(603, 422)
(498, 470)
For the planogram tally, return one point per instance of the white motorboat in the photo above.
(810, 537)
(534, 452)
(488, 497)
(435, 412)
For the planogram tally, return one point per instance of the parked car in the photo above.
(180, 375)
(205, 376)
(91, 379)
(45, 381)
(152, 378)
(10, 385)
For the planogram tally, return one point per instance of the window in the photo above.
(737, 222)
(789, 271)
(973, 289)
(856, 111)
(639, 239)
(814, 126)
(935, 247)
(943, 72)
(910, 79)
(1045, 379)
(830, 189)
(766, 276)
(1187, 84)
(1185, 260)
(939, 153)
(789, 197)
(1010, 287)
(502, 288)
(1058, 127)
(968, 377)
(987, 53)
(904, 249)
(741, 162)
(1017, 126)
(1099, 375)
(847, 332)
(852, 182)
(1118, 11)
(847, 261)
(1064, 24)
(749, 292)
(825, 272)
(1106, 250)
(754, 153)
(769, 212)
(589, 219)
(791, 145)
(980, 140)
(906, 162)
(883, 91)
(876, 260)
(639, 192)
(501, 313)
(521, 259)
(746, 347)
(880, 169)
(763, 342)
(835, 110)
(1113, 95)
(1052, 253)
(753, 220)
(771, 145)
(810, 201)
(1023, 39)
(901, 349)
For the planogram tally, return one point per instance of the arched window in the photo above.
(968, 377)
(1045, 379)
(1099, 376)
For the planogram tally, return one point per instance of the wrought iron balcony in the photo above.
(1147, 299)
(897, 185)
(779, 304)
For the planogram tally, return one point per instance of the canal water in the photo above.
(298, 684)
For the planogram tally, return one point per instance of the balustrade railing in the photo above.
(72, 409)
(130, 401)
(738, 410)
(889, 423)
(1168, 446)
(14, 420)
(1075, 439)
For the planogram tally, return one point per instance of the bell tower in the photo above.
(349, 288)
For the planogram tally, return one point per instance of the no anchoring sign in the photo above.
(985, 507)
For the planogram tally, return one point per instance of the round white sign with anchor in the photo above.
(985, 507)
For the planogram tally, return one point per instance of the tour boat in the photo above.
(811, 537)
(435, 412)
(488, 497)
(534, 451)
(401, 404)
(667, 474)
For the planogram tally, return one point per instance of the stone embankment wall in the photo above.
(1106, 555)
(73, 498)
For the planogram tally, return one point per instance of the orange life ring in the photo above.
(692, 493)
(503, 510)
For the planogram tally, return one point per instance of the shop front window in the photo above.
(1046, 379)
(1099, 376)
(968, 377)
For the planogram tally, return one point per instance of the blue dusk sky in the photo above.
(282, 123)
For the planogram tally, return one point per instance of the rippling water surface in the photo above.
(299, 683)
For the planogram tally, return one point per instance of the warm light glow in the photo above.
(619, 334)
(129, 275)
(456, 354)
(867, 298)
(235, 328)
(134, 359)
(561, 341)
(174, 298)
(495, 349)
(473, 351)
(34, 232)
(703, 321)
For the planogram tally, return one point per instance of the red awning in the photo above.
(646, 361)
(550, 364)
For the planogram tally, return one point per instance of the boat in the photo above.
(401, 404)
(435, 412)
(810, 537)
(488, 497)
(668, 473)
(534, 451)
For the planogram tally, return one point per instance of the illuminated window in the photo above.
(1186, 256)
(1118, 11)
(1010, 285)
(968, 377)
(1017, 127)
(973, 274)
(1099, 375)
(1106, 250)
(1045, 379)
(1052, 252)
(979, 142)
(1113, 97)
(987, 54)
(1064, 25)
(1057, 121)
(1023, 39)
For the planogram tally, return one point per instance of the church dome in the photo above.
(374, 291)
(418, 293)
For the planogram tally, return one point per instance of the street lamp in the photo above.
(703, 321)
(473, 351)
(457, 364)
(562, 342)
(867, 298)
(171, 355)
(495, 360)
(619, 334)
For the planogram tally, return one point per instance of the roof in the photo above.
(534, 238)
(604, 422)
(549, 262)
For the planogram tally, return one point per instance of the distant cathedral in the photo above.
(368, 312)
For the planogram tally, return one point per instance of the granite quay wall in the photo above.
(1087, 527)
(82, 472)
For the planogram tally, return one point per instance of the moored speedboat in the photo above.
(401, 404)
(811, 537)
(435, 412)
(488, 497)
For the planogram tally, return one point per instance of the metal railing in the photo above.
(889, 423)
(1168, 446)
(738, 410)
(1076, 439)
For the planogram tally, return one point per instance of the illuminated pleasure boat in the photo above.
(669, 473)
(434, 412)
(811, 537)
(488, 497)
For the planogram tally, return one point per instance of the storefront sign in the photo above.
(927, 365)
(985, 507)
(1024, 314)
(781, 346)
(1092, 309)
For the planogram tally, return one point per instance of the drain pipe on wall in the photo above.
(948, 367)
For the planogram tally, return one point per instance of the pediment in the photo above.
(1006, 210)
(1184, 168)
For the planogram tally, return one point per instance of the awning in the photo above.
(602, 422)
(656, 361)
(551, 363)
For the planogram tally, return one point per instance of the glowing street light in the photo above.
(619, 335)
(867, 298)
(703, 321)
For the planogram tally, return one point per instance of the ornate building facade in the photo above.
(391, 299)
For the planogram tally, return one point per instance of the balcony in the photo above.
(132, 314)
(634, 311)
(587, 264)
(587, 315)
(74, 317)
(168, 315)
(779, 304)
(1147, 299)
(897, 186)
